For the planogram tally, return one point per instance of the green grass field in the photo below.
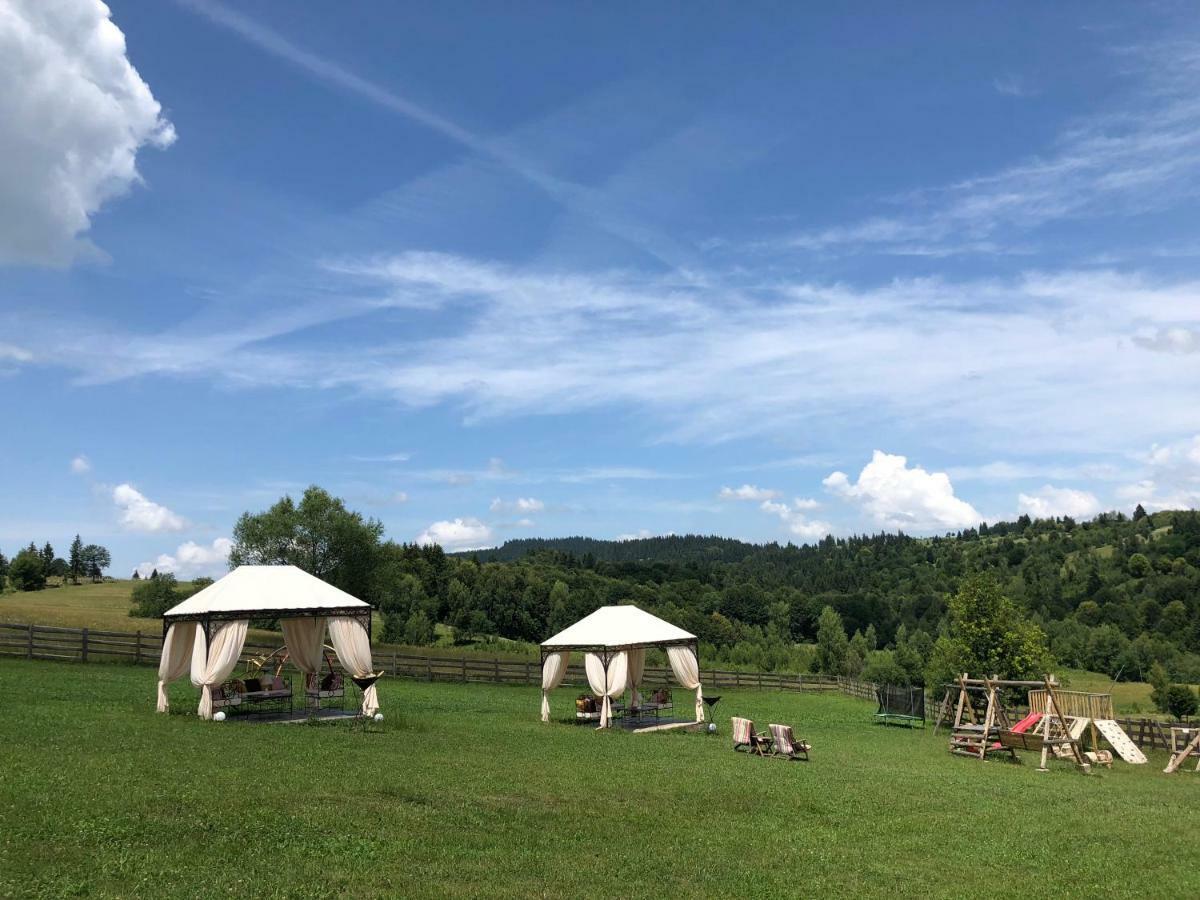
(465, 792)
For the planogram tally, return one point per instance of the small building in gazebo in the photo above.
(614, 641)
(205, 633)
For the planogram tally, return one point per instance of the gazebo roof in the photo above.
(618, 628)
(266, 590)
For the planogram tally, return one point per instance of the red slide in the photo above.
(1023, 726)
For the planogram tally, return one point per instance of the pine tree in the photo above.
(47, 554)
(1139, 513)
(75, 563)
(136, 576)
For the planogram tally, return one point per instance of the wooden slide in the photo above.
(1115, 735)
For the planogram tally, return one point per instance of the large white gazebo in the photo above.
(614, 640)
(207, 631)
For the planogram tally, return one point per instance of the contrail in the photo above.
(574, 196)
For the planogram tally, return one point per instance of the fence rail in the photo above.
(92, 645)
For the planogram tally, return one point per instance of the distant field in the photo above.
(465, 793)
(105, 606)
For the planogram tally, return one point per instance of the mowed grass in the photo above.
(464, 792)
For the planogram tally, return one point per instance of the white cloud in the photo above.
(11, 353)
(747, 492)
(1171, 478)
(1169, 340)
(73, 115)
(805, 503)
(896, 496)
(520, 505)
(642, 534)
(1010, 85)
(798, 524)
(1051, 501)
(81, 465)
(139, 513)
(192, 560)
(384, 458)
(457, 534)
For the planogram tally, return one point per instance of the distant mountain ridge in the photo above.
(685, 548)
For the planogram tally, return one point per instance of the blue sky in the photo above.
(545, 270)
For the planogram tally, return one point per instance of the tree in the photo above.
(418, 630)
(1139, 513)
(27, 572)
(988, 635)
(1160, 682)
(136, 575)
(47, 554)
(153, 597)
(319, 535)
(832, 644)
(95, 560)
(59, 568)
(1181, 701)
(3, 571)
(75, 562)
(1139, 565)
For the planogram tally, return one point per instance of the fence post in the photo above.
(429, 667)
(496, 670)
(83, 647)
(528, 674)
(29, 647)
(395, 665)
(137, 648)
(464, 669)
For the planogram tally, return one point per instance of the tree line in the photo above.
(1116, 594)
(31, 568)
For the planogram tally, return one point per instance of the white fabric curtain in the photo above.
(607, 684)
(687, 673)
(304, 636)
(553, 670)
(176, 658)
(353, 648)
(637, 664)
(223, 655)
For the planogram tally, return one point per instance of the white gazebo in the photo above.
(207, 631)
(614, 640)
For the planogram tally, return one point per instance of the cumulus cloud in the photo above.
(1051, 501)
(642, 534)
(73, 114)
(793, 516)
(457, 534)
(1171, 478)
(192, 560)
(140, 513)
(11, 353)
(897, 496)
(747, 492)
(81, 465)
(520, 505)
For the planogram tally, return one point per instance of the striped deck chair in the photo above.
(786, 744)
(744, 735)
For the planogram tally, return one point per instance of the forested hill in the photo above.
(688, 548)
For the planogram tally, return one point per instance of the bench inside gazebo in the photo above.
(206, 633)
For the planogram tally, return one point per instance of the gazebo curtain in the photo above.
(305, 638)
(687, 673)
(222, 657)
(553, 670)
(637, 664)
(176, 658)
(353, 648)
(607, 683)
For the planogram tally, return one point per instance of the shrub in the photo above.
(418, 630)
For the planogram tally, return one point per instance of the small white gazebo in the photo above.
(206, 632)
(614, 640)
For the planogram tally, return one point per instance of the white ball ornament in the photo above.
(712, 727)
(378, 717)
(219, 717)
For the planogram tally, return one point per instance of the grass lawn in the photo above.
(466, 793)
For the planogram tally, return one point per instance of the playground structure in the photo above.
(900, 705)
(1057, 723)
(1185, 742)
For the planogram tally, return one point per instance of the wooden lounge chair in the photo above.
(786, 744)
(745, 736)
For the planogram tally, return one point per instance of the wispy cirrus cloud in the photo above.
(1142, 155)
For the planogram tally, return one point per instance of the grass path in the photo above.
(466, 793)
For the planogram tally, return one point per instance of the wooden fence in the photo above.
(91, 645)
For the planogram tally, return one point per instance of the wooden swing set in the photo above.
(979, 732)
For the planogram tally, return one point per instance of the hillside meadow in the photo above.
(462, 791)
